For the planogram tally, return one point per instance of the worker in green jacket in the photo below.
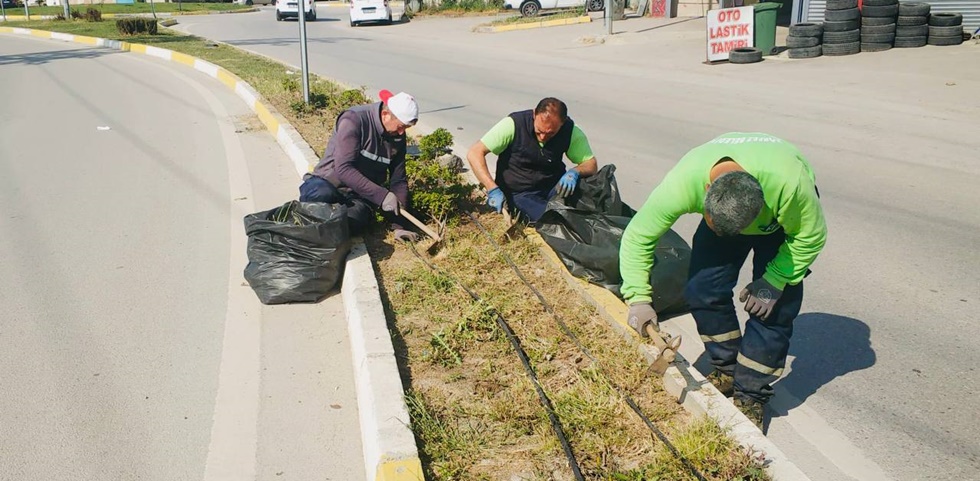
(756, 193)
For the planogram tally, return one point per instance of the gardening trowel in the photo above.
(665, 346)
(434, 248)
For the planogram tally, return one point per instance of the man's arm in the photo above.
(666, 204)
(477, 157)
(498, 138)
(580, 153)
(397, 180)
(346, 151)
(806, 233)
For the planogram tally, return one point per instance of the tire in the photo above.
(745, 55)
(945, 31)
(278, 16)
(844, 26)
(596, 5)
(888, 38)
(800, 42)
(837, 49)
(530, 8)
(878, 3)
(877, 21)
(807, 52)
(806, 30)
(910, 42)
(942, 41)
(880, 11)
(248, 3)
(913, 31)
(389, 21)
(875, 47)
(913, 9)
(841, 37)
(841, 15)
(352, 24)
(877, 29)
(945, 19)
(841, 4)
(910, 21)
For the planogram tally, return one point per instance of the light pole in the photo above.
(304, 64)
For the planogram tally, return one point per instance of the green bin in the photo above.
(765, 26)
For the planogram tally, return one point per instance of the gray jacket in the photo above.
(361, 157)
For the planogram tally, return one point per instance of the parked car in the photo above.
(290, 9)
(369, 11)
(530, 8)
(10, 3)
(255, 2)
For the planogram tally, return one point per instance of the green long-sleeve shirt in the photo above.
(791, 202)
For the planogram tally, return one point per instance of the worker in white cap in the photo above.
(363, 166)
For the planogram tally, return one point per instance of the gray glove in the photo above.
(406, 235)
(760, 298)
(390, 204)
(640, 315)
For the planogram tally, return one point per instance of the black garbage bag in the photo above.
(585, 232)
(296, 252)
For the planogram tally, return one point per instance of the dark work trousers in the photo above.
(532, 203)
(360, 213)
(756, 359)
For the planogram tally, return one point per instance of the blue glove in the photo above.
(567, 184)
(495, 199)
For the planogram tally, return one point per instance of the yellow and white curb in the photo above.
(698, 396)
(390, 452)
(528, 26)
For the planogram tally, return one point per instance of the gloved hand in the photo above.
(406, 235)
(495, 199)
(641, 314)
(760, 298)
(567, 183)
(391, 204)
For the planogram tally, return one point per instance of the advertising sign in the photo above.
(728, 29)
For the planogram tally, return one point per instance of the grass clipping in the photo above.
(474, 410)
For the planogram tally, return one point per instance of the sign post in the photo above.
(728, 29)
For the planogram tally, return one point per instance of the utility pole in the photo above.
(67, 10)
(27, 11)
(3, 11)
(302, 49)
(609, 16)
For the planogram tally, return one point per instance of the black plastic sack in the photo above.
(585, 232)
(296, 252)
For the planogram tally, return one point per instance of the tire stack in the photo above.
(912, 25)
(842, 28)
(945, 29)
(804, 40)
(878, 22)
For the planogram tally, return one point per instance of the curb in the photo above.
(389, 445)
(528, 26)
(682, 381)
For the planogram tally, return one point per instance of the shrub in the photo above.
(93, 15)
(75, 14)
(437, 190)
(435, 144)
(133, 26)
(347, 99)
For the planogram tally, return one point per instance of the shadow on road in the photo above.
(278, 42)
(40, 58)
(825, 347)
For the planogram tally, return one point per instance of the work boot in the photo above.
(751, 408)
(723, 381)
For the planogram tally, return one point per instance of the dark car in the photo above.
(10, 3)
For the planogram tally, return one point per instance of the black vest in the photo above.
(525, 165)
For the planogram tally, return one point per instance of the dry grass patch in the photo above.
(475, 411)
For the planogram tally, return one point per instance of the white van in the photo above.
(290, 9)
(369, 11)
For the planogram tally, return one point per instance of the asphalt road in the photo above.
(883, 380)
(130, 346)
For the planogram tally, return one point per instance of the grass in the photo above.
(474, 410)
(518, 19)
(133, 9)
(271, 79)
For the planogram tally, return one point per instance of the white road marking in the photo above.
(234, 438)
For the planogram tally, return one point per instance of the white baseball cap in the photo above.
(402, 105)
